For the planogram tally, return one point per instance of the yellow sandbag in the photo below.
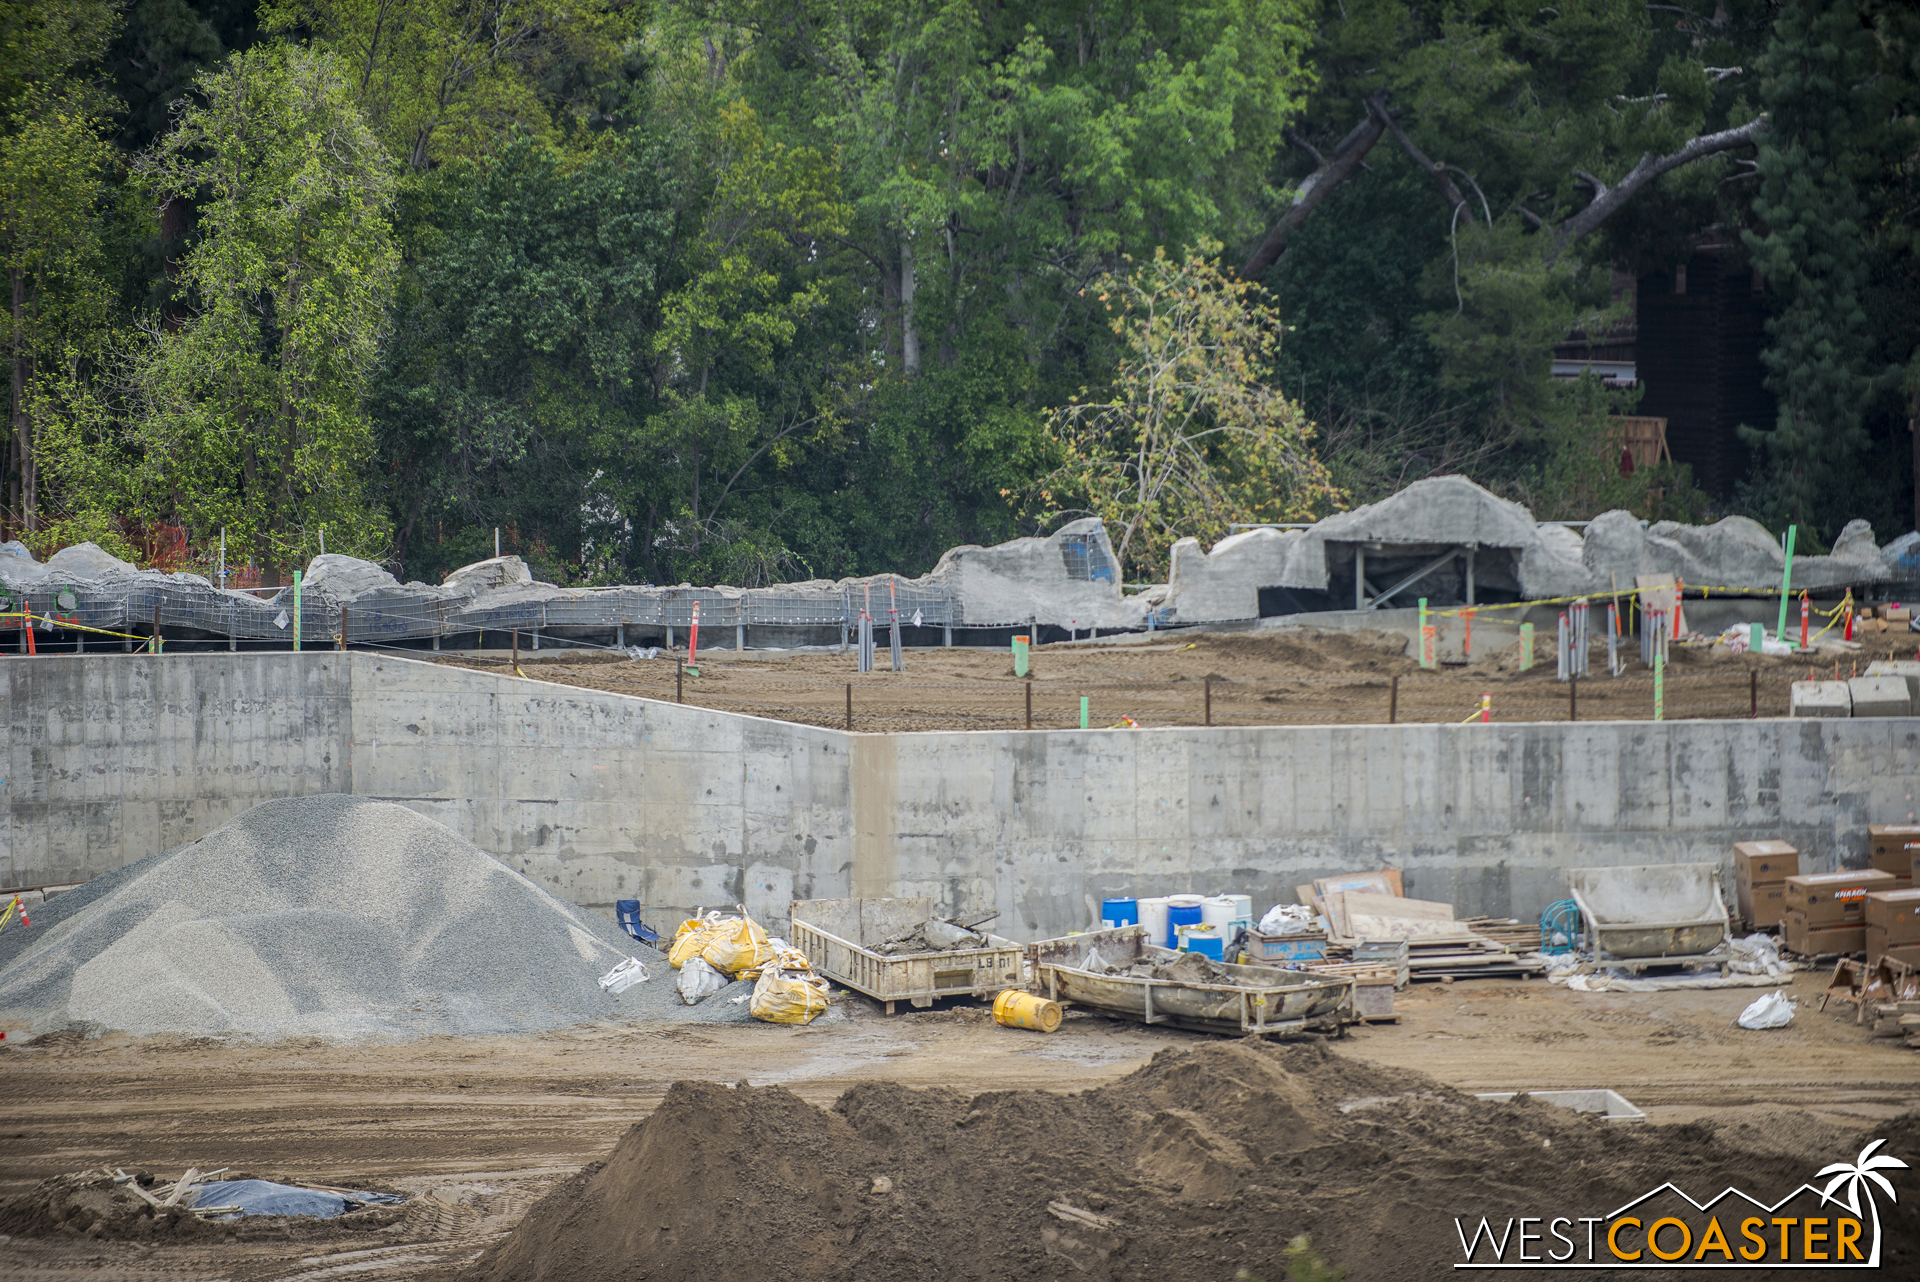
(785, 957)
(781, 998)
(737, 944)
(690, 940)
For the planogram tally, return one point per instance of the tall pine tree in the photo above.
(1828, 115)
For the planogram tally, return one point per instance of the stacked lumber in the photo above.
(1522, 936)
(1371, 906)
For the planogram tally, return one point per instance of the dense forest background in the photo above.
(749, 290)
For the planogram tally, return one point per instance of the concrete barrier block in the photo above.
(1880, 697)
(1906, 669)
(1822, 699)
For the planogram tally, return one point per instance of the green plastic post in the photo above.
(1526, 646)
(1786, 582)
(1020, 656)
(1756, 635)
(1420, 638)
(296, 609)
(1083, 712)
(1659, 687)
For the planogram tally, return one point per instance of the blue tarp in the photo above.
(263, 1197)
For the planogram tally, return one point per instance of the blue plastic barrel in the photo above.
(1179, 915)
(1207, 946)
(1119, 912)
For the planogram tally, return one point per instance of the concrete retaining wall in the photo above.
(607, 797)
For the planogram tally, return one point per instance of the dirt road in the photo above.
(481, 1128)
(1297, 676)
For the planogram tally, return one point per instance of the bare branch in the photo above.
(1314, 188)
(1438, 172)
(1293, 136)
(1485, 208)
(1609, 200)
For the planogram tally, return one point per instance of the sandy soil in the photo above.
(1300, 676)
(484, 1127)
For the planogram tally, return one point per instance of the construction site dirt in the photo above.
(480, 1129)
(1296, 676)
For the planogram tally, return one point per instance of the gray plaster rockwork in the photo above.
(1516, 555)
(1068, 580)
(602, 796)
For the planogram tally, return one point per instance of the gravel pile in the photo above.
(331, 916)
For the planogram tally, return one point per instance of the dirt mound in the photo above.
(91, 1205)
(1198, 1164)
(1307, 652)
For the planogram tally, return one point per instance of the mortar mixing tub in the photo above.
(1651, 912)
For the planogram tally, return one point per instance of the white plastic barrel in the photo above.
(1218, 911)
(1153, 915)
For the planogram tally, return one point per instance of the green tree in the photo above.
(996, 158)
(521, 357)
(446, 78)
(54, 169)
(1192, 437)
(252, 416)
(1505, 157)
(1843, 110)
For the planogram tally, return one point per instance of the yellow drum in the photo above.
(1016, 1009)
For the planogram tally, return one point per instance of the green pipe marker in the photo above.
(1786, 582)
(1020, 656)
(1421, 638)
(1526, 646)
(1755, 637)
(1083, 712)
(296, 609)
(1659, 687)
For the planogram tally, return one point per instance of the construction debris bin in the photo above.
(1651, 912)
(841, 938)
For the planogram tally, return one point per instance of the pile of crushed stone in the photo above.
(1200, 1164)
(331, 916)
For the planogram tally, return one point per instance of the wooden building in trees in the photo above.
(1700, 328)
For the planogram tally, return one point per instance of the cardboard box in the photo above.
(1809, 941)
(1763, 906)
(1829, 899)
(1764, 863)
(1893, 847)
(1897, 912)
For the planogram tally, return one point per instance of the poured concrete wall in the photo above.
(111, 758)
(607, 797)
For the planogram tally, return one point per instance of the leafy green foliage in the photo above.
(253, 418)
(440, 79)
(522, 347)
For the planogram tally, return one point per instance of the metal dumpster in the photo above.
(1647, 913)
(839, 937)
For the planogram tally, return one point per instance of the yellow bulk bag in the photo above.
(781, 998)
(737, 944)
(690, 940)
(785, 957)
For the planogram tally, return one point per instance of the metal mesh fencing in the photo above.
(179, 603)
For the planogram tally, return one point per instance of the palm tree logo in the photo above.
(1855, 1176)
